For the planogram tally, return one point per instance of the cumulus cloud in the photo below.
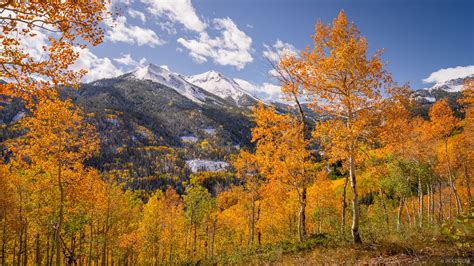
(33, 45)
(127, 2)
(277, 50)
(446, 74)
(97, 67)
(30, 43)
(232, 47)
(267, 92)
(121, 31)
(181, 11)
(103, 67)
(127, 60)
(167, 26)
(136, 14)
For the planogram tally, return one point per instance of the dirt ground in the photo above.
(374, 255)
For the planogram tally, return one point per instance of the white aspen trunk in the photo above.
(355, 201)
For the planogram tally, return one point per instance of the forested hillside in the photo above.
(148, 168)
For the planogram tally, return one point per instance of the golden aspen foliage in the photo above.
(234, 219)
(344, 85)
(465, 146)
(163, 229)
(51, 155)
(61, 27)
(281, 152)
(247, 169)
(443, 125)
(323, 201)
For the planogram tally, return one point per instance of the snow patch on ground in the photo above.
(18, 116)
(198, 165)
(210, 131)
(113, 121)
(189, 139)
(430, 99)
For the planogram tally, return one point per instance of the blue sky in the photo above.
(420, 38)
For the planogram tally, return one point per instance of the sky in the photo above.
(423, 41)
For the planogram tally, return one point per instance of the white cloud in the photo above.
(126, 2)
(97, 67)
(136, 14)
(231, 48)
(121, 31)
(267, 92)
(32, 42)
(167, 26)
(127, 60)
(277, 50)
(33, 45)
(181, 11)
(446, 74)
(102, 67)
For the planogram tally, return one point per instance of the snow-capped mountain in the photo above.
(172, 80)
(453, 85)
(440, 90)
(224, 87)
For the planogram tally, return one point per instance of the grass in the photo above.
(321, 249)
(415, 251)
(271, 253)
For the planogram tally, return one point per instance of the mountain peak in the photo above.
(162, 75)
(150, 70)
(452, 85)
(222, 86)
(159, 68)
(441, 90)
(193, 87)
(210, 75)
(213, 73)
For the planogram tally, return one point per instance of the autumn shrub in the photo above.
(461, 232)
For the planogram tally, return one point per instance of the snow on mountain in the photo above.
(222, 86)
(453, 85)
(175, 81)
(440, 90)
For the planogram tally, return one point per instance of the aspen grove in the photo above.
(366, 170)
